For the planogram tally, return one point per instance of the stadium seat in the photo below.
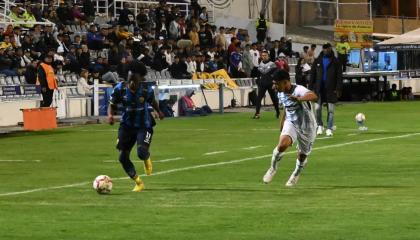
(74, 78)
(16, 80)
(2, 81)
(152, 75)
(9, 81)
(158, 76)
(167, 74)
(22, 79)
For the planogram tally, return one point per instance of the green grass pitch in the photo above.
(356, 185)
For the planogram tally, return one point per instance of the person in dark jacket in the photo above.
(124, 19)
(265, 83)
(178, 69)
(326, 81)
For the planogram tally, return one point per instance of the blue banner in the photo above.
(11, 90)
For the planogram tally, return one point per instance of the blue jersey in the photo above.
(136, 107)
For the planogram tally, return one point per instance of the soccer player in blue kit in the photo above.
(138, 119)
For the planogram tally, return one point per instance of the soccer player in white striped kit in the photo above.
(298, 125)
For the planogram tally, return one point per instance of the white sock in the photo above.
(299, 166)
(276, 157)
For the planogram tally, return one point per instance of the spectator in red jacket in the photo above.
(282, 63)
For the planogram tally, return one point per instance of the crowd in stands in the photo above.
(160, 36)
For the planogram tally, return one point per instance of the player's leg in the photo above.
(260, 96)
(305, 143)
(275, 101)
(126, 141)
(330, 124)
(318, 115)
(144, 139)
(287, 137)
(278, 152)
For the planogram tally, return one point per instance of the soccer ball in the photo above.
(360, 118)
(102, 184)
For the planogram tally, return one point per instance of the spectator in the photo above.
(83, 88)
(29, 17)
(304, 54)
(6, 42)
(6, 63)
(282, 63)
(175, 29)
(311, 54)
(235, 68)
(247, 63)
(191, 65)
(89, 10)
(188, 107)
(84, 57)
(179, 68)
(194, 36)
(143, 20)
(275, 51)
(125, 16)
(326, 82)
(302, 71)
(255, 54)
(31, 72)
(204, 16)
(221, 39)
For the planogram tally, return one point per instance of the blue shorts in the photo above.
(127, 137)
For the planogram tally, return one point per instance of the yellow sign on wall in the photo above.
(358, 33)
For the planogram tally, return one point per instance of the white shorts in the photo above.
(305, 139)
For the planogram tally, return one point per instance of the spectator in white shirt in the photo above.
(83, 88)
(255, 55)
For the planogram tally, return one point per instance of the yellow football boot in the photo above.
(139, 184)
(148, 166)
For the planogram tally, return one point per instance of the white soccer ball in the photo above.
(360, 117)
(102, 184)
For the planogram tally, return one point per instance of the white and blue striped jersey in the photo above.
(298, 113)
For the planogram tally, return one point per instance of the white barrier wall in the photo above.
(10, 114)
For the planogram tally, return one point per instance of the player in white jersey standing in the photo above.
(298, 125)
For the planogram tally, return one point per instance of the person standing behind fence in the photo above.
(47, 80)
(262, 26)
(343, 49)
(264, 82)
(326, 81)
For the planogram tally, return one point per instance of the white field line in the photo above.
(20, 160)
(212, 164)
(252, 147)
(214, 153)
(169, 160)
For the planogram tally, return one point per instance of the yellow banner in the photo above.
(220, 74)
(358, 33)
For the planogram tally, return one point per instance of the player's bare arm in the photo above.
(310, 96)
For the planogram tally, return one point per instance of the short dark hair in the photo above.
(280, 75)
(313, 45)
(137, 67)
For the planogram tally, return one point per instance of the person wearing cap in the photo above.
(47, 80)
(326, 81)
(188, 108)
(138, 102)
(282, 63)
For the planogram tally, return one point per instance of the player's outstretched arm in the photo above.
(309, 96)
(112, 109)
